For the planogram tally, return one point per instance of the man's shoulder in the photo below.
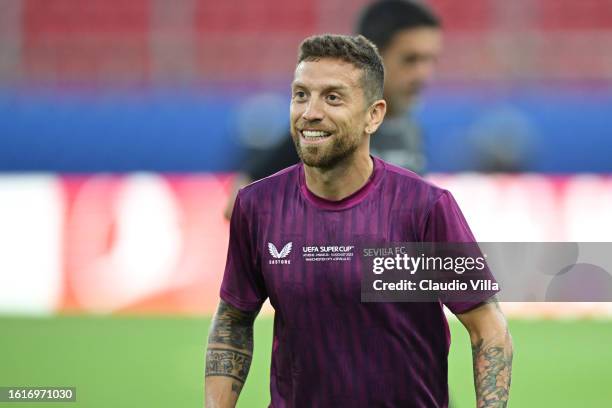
(273, 184)
(408, 179)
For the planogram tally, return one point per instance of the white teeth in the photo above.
(314, 133)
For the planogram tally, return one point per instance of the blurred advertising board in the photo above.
(155, 243)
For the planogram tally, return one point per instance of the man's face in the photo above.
(329, 112)
(410, 59)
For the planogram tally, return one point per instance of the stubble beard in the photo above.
(325, 157)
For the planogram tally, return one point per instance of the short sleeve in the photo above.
(446, 223)
(243, 285)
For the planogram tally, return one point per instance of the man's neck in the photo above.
(342, 180)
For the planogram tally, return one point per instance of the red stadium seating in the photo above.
(563, 15)
(86, 40)
(145, 41)
(473, 15)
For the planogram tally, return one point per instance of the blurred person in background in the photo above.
(409, 38)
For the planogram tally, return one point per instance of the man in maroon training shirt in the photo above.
(329, 348)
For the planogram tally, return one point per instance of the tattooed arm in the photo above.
(228, 359)
(491, 352)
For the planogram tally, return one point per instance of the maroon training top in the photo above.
(329, 348)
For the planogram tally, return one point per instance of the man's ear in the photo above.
(376, 114)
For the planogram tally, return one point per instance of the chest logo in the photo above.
(279, 257)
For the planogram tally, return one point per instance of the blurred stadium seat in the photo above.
(71, 40)
(98, 40)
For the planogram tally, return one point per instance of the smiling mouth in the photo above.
(314, 136)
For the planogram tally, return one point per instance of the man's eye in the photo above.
(333, 98)
(411, 59)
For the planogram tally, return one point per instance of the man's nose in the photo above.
(313, 111)
(424, 69)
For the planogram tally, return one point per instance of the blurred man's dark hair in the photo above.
(357, 50)
(381, 20)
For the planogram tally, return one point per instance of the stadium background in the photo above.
(123, 122)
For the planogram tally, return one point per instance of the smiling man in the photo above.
(409, 36)
(329, 348)
(336, 104)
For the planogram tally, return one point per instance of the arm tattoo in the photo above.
(492, 375)
(230, 345)
(228, 363)
(492, 370)
(232, 327)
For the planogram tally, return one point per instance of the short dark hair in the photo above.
(357, 50)
(381, 20)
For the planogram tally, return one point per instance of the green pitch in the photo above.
(158, 362)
